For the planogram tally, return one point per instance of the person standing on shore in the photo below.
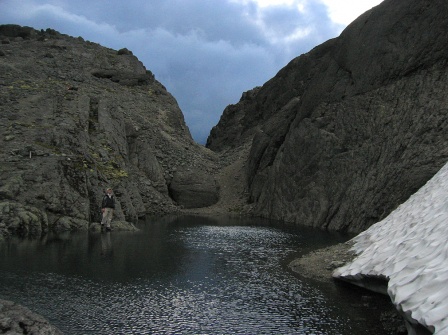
(107, 208)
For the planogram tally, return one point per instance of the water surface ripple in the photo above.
(183, 275)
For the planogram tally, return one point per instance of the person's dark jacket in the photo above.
(108, 202)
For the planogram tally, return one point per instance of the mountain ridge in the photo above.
(348, 131)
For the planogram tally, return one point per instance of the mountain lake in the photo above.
(184, 275)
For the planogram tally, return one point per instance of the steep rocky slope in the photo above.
(76, 118)
(347, 132)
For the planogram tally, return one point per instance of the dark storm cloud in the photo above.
(205, 52)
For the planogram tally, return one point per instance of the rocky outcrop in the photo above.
(16, 319)
(345, 133)
(75, 118)
(193, 189)
(17, 219)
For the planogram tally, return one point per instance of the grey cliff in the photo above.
(76, 118)
(345, 133)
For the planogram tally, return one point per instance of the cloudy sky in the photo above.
(205, 52)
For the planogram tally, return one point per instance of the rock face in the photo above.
(76, 118)
(345, 133)
(16, 319)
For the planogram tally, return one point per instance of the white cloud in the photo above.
(268, 3)
(346, 11)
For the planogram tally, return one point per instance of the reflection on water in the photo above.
(182, 275)
(106, 245)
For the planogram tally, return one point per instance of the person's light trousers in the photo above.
(107, 216)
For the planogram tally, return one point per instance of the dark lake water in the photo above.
(183, 275)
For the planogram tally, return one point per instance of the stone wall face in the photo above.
(350, 163)
(347, 132)
(76, 118)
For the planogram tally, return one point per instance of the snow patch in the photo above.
(409, 248)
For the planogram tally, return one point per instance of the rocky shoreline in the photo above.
(320, 264)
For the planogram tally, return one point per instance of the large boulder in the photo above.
(16, 320)
(18, 219)
(194, 189)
